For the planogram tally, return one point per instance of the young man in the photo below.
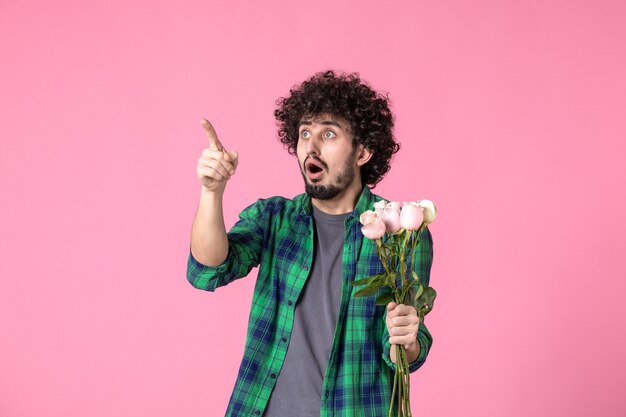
(312, 349)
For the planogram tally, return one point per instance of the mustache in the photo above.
(319, 161)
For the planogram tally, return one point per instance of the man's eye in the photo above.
(329, 135)
(305, 134)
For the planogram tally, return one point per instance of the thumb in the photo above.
(391, 306)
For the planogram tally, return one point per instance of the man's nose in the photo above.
(313, 145)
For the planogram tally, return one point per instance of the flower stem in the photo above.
(393, 392)
(407, 386)
(381, 255)
(400, 377)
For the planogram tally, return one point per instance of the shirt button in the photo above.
(289, 303)
(306, 268)
(273, 376)
(257, 412)
(284, 339)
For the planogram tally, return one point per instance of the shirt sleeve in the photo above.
(245, 244)
(423, 262)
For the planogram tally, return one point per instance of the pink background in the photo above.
(512, 119)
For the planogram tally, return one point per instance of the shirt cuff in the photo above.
(203, 276)
(424, 340)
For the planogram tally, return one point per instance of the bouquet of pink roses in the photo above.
(396, 232)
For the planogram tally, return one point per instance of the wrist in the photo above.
(213, 194)
(412, 350)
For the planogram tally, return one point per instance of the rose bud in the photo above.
(411, 216)
(374, 228)
(391, 216)
(380, 206)
(367, 217)
(430, 211)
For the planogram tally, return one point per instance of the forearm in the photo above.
(423, 343)
(209, 242)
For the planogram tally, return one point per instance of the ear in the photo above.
(363, 155)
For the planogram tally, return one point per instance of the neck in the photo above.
(343, 202)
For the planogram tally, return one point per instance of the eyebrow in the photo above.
(323, 122)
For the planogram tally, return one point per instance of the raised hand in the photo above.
(216, 165)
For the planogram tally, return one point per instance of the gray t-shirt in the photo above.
(298, 389)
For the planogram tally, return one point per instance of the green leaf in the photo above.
(377, 278)
(419, 289)
(415, 277)
(369, 290)
(424, 303)
(368, 280)
(362, 281)
(384, 299)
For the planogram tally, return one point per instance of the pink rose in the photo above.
(391, 216)
(380, 206)
(373, 226)
(430, 211)
(411, 216)
(367, 217)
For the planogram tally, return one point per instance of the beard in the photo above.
(329, 191)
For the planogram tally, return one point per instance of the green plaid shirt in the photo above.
(277, 234)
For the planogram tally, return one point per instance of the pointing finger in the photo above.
(214, 142)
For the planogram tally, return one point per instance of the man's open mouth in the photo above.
(314, 169)
(313, 166)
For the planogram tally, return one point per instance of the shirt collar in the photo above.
(365, 202)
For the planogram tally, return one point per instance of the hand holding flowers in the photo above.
(396, 230)
(402, 325)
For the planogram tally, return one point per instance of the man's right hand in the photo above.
(216, 165)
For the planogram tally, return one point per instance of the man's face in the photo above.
(326, 155)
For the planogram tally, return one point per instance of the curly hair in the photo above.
(347, 96)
